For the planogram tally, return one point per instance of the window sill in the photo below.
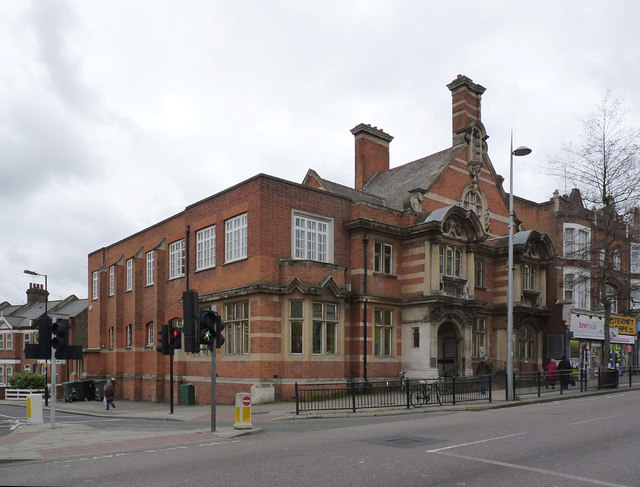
(384, 274)
(236, 260)
(202, 269)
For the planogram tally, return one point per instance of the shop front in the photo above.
(587, 334)
(622, 334)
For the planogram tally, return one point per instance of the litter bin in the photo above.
(99, 388)
(78, 390)
(187, 394)
(86, 390)
(608, 378)
(70, 391)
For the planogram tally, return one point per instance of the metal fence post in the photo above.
(353, 396)
(408, 394)
(539, 377)
(297, 404)
(453, 383)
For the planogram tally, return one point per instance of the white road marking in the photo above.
(534, 470)
(592, 420)
(438, 450)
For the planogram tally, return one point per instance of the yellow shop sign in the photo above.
(626, 325)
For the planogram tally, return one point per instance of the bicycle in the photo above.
(421, 394)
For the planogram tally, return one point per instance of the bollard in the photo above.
(243, 411)
(34, 409)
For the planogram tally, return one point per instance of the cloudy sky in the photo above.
(117, 114)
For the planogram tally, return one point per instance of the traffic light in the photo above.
(163, 341)
(60, 337)
(219, 329)
(42, 349)
(211, 327)
(175, 338)
(190, 321)
(207, 326)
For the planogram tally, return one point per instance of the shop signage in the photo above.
(587, 326)
(616, 337)
(626, 325)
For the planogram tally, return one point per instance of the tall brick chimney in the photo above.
(466, 97)
(36, 293)
(372, 152)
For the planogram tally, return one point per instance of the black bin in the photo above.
(608, 379)
(70, 390)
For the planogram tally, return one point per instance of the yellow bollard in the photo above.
(243, 411)
(34, 409)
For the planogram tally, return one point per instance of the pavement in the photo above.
(73, 439)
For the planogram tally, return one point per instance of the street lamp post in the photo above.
(53, 356)
(520, 151)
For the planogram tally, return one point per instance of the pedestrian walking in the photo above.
(109, 394)
(552, 373)
(565, 373)
(484, 370)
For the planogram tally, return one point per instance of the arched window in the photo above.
(472, 200)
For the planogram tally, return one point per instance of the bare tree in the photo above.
(605, 167)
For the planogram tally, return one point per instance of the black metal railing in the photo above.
(576, 380)
(407, 393)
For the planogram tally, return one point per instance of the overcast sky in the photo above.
(117, 114)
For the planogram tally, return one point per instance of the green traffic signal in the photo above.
(211, 327)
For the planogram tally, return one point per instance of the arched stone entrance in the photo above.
(449, 353)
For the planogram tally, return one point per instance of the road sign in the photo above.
(243, 411)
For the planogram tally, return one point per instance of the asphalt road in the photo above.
(587, 441)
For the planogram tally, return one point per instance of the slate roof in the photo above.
(391, 188)
(351, 193)
(21, 316)
(394, 185)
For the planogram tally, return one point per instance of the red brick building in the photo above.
(593, 248)
(292, 267)
(16, 331)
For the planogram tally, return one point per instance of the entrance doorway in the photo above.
(448, 359)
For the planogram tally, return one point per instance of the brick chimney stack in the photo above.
(372, 152)
(466, 100)
(36, 293)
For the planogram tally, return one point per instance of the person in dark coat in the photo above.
(484, 371)
(565, 373)
(109, 394)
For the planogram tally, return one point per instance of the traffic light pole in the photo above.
(171, 382)
(54, 370)
(213, 385)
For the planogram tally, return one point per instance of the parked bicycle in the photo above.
(423, 393)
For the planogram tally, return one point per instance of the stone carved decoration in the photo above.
(531, 250)
(474, 171)
(487, 220)
(441, 313)
(453, 228)
(413, 202)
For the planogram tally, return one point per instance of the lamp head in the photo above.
(521, 151)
